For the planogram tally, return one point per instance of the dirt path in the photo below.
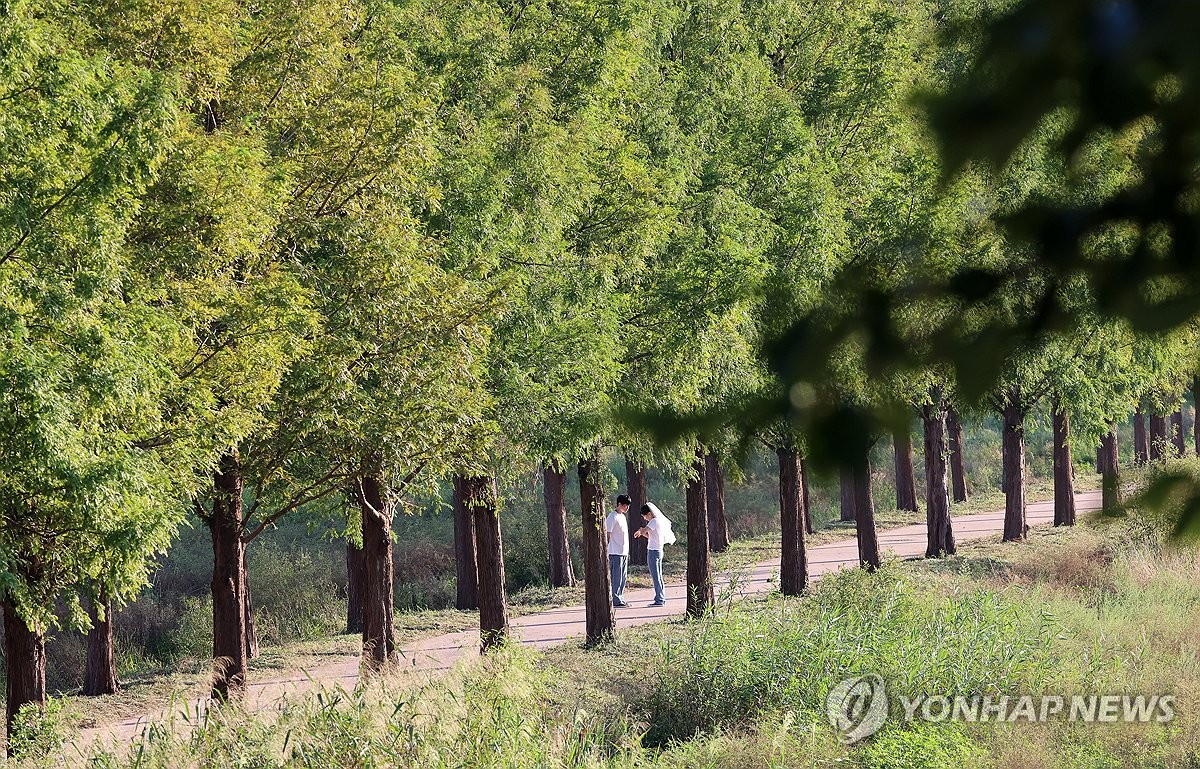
(556, 626)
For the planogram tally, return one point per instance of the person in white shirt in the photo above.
(618, 548)
(657, 532)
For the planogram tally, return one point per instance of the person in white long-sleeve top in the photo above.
(618, 548)
(657, 532)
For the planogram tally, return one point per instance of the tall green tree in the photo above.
(118, 399)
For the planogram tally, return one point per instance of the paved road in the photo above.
(556, 626)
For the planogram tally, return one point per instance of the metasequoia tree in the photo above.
(699, 570)
(905, 476)
(793, 514)
(599, 621)
(958, 466)
(939, 529)
(718, 524)
(384, 394)
(108, 420)
(165, 219)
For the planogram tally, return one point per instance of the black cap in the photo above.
(623, 499)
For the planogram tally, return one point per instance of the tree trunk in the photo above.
(906, 481)
(100, 674)
(847, 503)
(1064, 470)
(1177, 433)
(864, 511)
(25, 665)
(356, 574)
(251, 633)
(939, 530)
(554, 491)
(598, 609)
(1141, 441)
(228, 582)
(466, 567)
(793, 563)
(1111, 469)
(958, 467)
(1158, 437)
(482, 500)
(635, 474)
(1196, 413)
(808, 526)
(379, 635)
(1014, 468)
(699, 569)
(718, 524)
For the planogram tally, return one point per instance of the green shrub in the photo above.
(920, 746)
(37, 735)
(194, 634)
(294, 594)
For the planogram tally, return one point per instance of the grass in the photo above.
(1102, 607)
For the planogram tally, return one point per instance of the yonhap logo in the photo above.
(857, 707)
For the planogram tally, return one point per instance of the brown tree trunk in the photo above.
(635, 474)
(25, 666)
(1177, 433)
(1111, 469)
(251, 633)
(228, 582)
(100, 674)
(599, 620)
(906, 480)
(1158, 437)
(699, 570)
(958, 467)
(483, 501)
(466, 567)
(1141, 440)
(1064, 470)
(939, 529)
(864, 511)
(1014, 468)
(793, 563)
(808, 526)
(1196, 413)
(847, 501)
(718, 524)
(379, 635)
(356, 574)
(554, 491)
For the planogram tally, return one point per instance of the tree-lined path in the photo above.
(556, 626)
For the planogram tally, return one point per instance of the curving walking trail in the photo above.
(556, 626)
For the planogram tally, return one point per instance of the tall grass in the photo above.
(492, 713)
(788, 654)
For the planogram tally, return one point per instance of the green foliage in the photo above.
(37, 735)
(921, 746)
(1119, 71)
(85, 492)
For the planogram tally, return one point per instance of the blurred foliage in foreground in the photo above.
(1064, 214)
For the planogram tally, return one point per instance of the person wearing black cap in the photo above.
(618, 548)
